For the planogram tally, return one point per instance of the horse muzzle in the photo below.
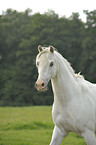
(40, 85)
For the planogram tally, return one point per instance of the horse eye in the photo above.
(51, 64)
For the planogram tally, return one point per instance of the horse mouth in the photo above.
(42, 89)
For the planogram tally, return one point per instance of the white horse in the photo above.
(74, 107)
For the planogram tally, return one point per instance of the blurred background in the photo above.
(21, 31)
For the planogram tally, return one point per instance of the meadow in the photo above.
(30, 126)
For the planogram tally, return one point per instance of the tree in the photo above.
(88, 61)
(20, 35)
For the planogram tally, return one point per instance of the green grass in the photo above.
(30, 126)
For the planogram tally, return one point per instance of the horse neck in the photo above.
(64, 84)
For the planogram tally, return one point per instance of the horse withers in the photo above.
(74, 107)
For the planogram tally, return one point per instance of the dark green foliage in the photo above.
(20, 35)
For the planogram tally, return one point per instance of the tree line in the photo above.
(20, 35)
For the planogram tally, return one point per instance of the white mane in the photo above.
(65, 62)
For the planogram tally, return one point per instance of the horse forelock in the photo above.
(42, 52)
(45, 50)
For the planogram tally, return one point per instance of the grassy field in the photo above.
(30, 126)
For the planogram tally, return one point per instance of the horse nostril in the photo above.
(43, 84)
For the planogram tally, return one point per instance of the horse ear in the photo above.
(40, 48)
(52, 49)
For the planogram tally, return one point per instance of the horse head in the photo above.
(46, 65)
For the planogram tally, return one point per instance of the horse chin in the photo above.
(44, 90)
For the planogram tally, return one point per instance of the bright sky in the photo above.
(61, 7)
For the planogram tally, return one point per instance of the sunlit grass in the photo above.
(30, 126)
